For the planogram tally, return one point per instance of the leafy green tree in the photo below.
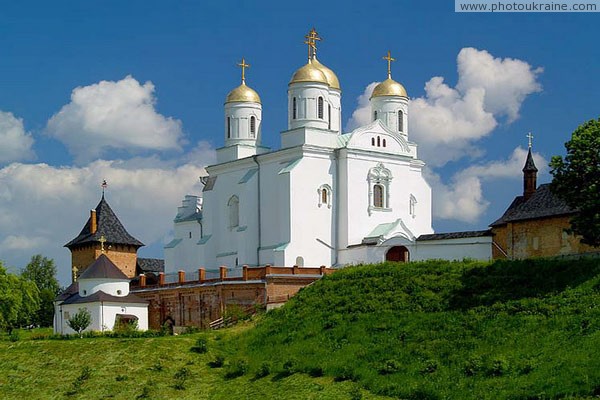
(19, 300)
(577, 180)
(42, 271)
(80, 320)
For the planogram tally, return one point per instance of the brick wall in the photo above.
(123, 256)
(198, 302)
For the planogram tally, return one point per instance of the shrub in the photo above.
(389, 367)
(80, 321)
(430, 367)
(263, 370)
(201, 346)
(218, 362)
(86, 373)
(14, 336)
(289, 367)
(236, 369)
(181, 377)
(499, 367)
(315, 372)
(473, 366)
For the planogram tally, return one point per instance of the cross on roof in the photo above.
(102, 240)
(530, 137)
(389, 63)
(243, 65)
(104, 185)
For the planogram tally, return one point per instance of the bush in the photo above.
(499, 367)
(201, 346)
(14, 336)
(180, 377)
(263, 370)
(389, 367)
(473, 366)
(218, 362)
(236, 369)
(315, 372)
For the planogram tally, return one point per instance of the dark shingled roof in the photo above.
(101, 296)
(103, 268)
(108, 225)
(454, 235)
(542, 203)
(68, 292)
(145, 265)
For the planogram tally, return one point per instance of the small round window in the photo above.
(119, 292)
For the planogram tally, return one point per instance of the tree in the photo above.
(81, 320)
(19, 300)
(577, 180)
(42, 272)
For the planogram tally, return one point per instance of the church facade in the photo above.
(324, 198)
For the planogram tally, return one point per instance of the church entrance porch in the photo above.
(397, 254)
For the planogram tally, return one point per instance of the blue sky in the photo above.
(187, 51)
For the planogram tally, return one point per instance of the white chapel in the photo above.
(324, 198)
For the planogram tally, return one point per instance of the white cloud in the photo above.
(448, 121)
(362, 114)
(506, 81)
(15, 142)
(42, 207)
(463, 199)
(114, 116)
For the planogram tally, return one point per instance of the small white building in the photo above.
(102, 289)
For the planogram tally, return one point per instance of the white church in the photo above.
(325, 197)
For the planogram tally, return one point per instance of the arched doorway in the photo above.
(398, 254)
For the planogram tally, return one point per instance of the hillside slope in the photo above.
(507, 330)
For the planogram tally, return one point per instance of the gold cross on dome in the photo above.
(102, 240)
(389, 62)
(311, 41)
(244, 66)
(75, 270)
(530, 137)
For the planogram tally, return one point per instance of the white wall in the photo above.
(103, 315)
(113, 287)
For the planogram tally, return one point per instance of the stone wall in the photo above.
(543, 237)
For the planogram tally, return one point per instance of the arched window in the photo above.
(378, 141)
(400, 121)
(378, 196)
(252, 126)
(384, 143)
(300, 261)
(329, 116)
(413, 206)
(294, 108)
(324, 192)
(228, 128)
(320, 108)
(379, 179)
(372, 141)
(234, 211)
(374, 115)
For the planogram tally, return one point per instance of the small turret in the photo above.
(529, 173)
(243, 114)
(389, 102)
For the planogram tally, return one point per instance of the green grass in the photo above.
(441, 330)
(435, 330)
(156, 368)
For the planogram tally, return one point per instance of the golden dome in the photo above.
(244, 94)
(389, 87)
(332, 79)
(311, 72)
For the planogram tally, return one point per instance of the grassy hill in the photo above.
(440, 330)
(435, 330)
